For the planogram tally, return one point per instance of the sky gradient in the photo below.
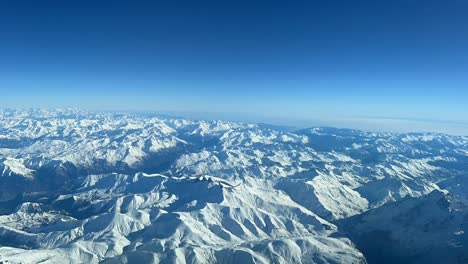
(290, 62)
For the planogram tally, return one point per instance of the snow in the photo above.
(16, 166)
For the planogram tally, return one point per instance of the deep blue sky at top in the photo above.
(292, 59)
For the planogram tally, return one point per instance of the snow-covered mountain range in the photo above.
(79, 187)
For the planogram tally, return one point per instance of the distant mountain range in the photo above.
(79, 187)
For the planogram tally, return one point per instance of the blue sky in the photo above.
(293, 62)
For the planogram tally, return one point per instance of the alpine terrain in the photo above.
(85, 187)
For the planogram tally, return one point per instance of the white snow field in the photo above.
(83, 187)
